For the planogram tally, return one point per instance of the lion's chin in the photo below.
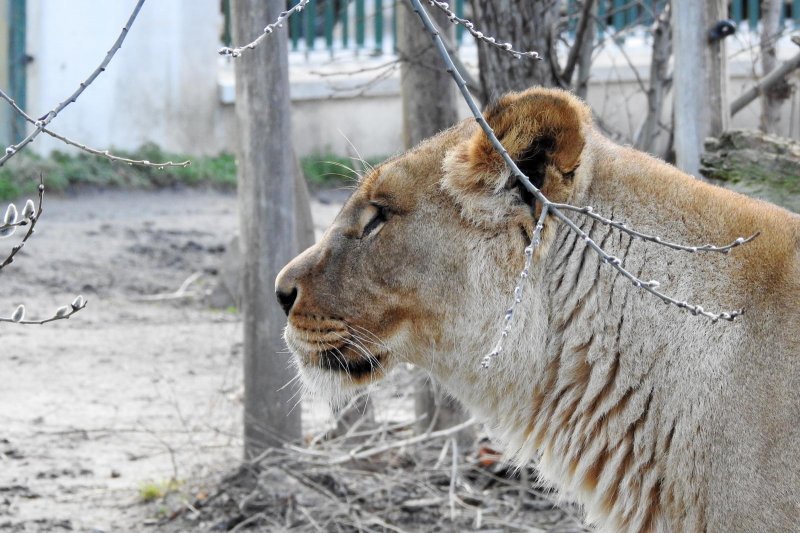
(336, 384)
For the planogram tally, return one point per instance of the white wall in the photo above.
(160, 87)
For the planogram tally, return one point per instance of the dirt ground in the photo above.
(127, 393)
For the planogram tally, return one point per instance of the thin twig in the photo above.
(455, 19)
(400, 443)
(33, 218)
(8, 225)
(247, 522)
(89, 149)
(62, 313)
(237, 50)
(13, 149)
(556, 209)
(588, 211)
(536, 240)
(360, 89)
(72, 309)
(472, 83)
(580, 35)
(354, 72)
(182, 292)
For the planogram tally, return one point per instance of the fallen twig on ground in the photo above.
(400, 486)
(182, 292)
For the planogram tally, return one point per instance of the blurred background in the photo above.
(129, 416)
(168, 90)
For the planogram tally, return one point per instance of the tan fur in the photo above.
(653, 419)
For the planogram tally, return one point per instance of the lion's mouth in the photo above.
(360, 366)
(332, 346)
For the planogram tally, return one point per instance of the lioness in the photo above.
(654, 419)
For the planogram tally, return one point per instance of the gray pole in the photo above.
(701, 101)
(266, 221)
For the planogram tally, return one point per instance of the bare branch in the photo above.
(62, 313)
(518, 290)
(588, 211)
(237, 51)
(40, 124)
(182, 292)
(472, 83)
(85, 148)
(769, 80)
(556, 209)
(32, 218)
(10, 221)
(354, 72)
(455, 19)
(649, 286)
(360, 89)
(574, 53)
(355, 454)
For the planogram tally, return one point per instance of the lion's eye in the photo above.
(375, 223)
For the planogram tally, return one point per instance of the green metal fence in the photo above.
(17, 61)
(361, 25)
(329, 24)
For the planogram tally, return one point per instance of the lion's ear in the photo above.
(543, 131)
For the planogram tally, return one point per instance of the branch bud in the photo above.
(77, 303)
(11, 214)
(19, 313)
(29, 209)
(10, 218)
(62, 311)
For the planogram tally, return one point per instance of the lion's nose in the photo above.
(286, 297)
(289, 282)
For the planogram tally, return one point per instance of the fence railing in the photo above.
(350, 25)
(370, 26)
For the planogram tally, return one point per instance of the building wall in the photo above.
(160, 87)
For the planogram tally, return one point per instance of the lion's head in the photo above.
(421, 259)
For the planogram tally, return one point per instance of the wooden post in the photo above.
(267, 224)
(716, 71)
(701, 79)
(770, 30)
(530, 25)
(427, 91)
(659, 83)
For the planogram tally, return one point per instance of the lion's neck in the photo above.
(595, 413)
(591, 401)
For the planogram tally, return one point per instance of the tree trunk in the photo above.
(716, 71)
(771, 99)
(435, 410)
(429, 106)
(529, 25)
(586, 47)
(267, 202)
(701, 101)
(660, 83)
(427, 90)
